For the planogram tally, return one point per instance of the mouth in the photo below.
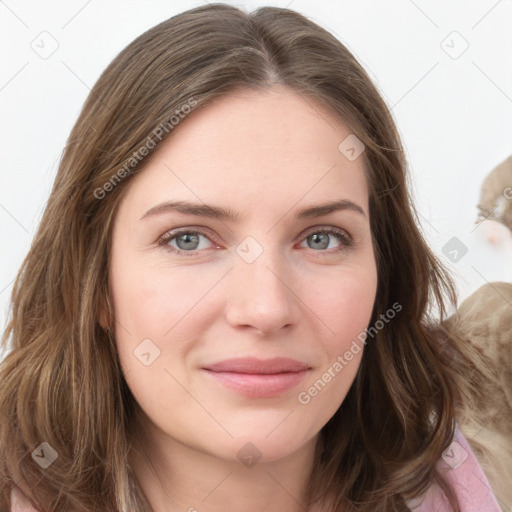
(258, 378)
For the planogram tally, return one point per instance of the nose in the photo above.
(261, 295)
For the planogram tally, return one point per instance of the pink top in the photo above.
(458, 463)
(463, 472)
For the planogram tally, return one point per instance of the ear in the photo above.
(103, 314)
(103, 320)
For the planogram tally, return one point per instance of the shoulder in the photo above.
(19, 502)
(461, 470)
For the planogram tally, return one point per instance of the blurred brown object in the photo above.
(484, 322)
(495, 201)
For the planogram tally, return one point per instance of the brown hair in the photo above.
(62, 382)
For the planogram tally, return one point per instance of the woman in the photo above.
(228, 302)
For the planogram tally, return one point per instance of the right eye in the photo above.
(184, 241)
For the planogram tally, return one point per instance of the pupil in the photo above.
(189, 239)
(317, 238)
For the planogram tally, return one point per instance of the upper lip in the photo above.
(258, 366)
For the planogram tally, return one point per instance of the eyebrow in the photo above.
(220, 213)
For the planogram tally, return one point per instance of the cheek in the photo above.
(346, 312)
(344, 306)
(150, 343)
(142, 313)
(152, 301)
(343, 302)
(161, 314)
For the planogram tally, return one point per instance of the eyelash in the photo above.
(346, 240)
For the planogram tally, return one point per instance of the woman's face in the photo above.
(207, 297)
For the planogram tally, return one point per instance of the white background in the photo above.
(454, 114)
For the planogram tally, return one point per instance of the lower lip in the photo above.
(258, 385)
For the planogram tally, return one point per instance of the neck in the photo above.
(177, 477)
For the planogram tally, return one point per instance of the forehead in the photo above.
(251, 148)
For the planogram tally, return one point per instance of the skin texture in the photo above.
(264, 155)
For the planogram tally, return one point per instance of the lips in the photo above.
(260, 366)
(256, 377)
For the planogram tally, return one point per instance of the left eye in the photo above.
(322, 240)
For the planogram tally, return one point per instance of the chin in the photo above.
(256, 445)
